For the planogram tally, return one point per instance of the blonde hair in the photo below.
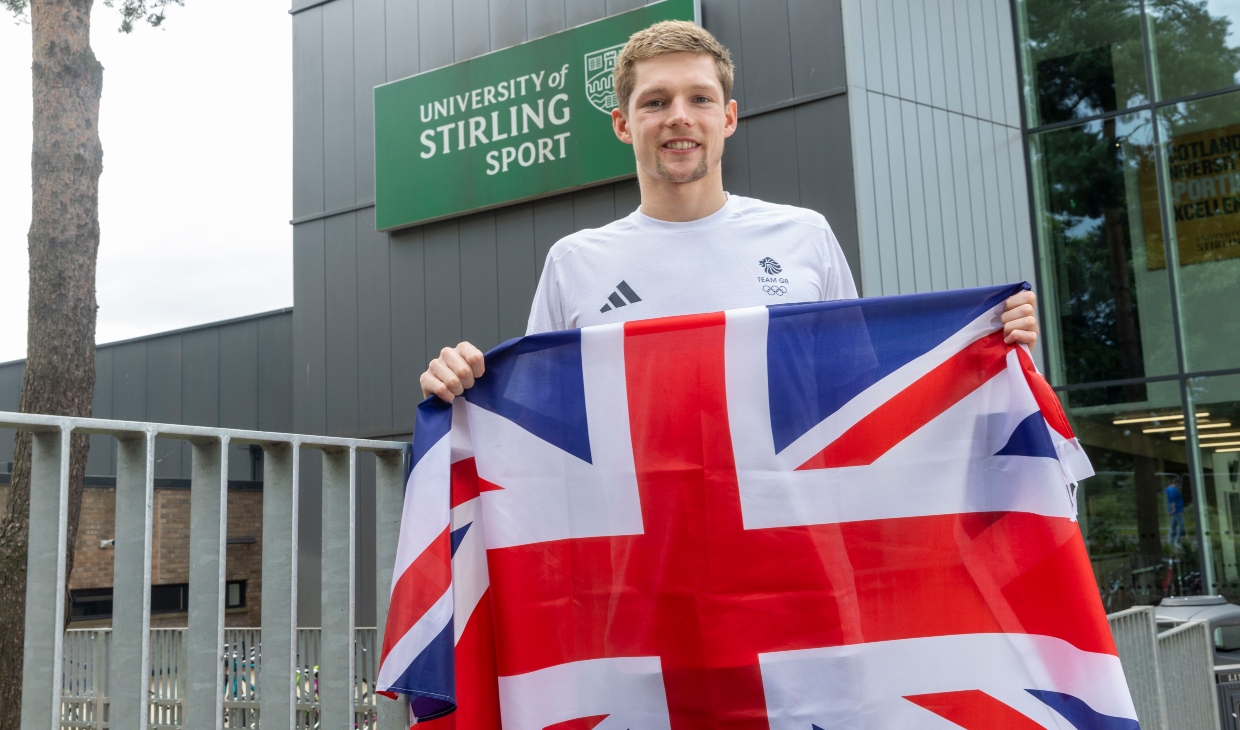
(669, 36)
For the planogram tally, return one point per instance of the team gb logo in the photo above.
(771, 266)
(599, 87)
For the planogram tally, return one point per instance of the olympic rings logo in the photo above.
(775, 291)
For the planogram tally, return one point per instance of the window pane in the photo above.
(1107, 305)
(1196, 45)
(1203, 165)
(1082, 58)
(1137, 512)
(1219, 450)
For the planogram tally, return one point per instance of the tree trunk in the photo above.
(66, 161)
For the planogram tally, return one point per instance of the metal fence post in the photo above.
(208, 512)
(337, 660)
(42, 658)
(389, 502)
(277, 698)
(130, 655)
(1186, 654)
(1136, 639)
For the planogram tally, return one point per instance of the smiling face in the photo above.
(677, 118)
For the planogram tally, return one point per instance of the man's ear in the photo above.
(730, 118)
(620, 125)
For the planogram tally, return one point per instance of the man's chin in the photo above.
(682, 176)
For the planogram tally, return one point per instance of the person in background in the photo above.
(1175, 508)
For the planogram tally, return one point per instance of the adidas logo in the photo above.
(623, 295)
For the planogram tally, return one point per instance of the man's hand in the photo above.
(1020, 321)
(452, 372)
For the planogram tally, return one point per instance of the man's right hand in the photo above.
(448, 375)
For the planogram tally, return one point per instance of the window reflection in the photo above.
(1138, 513)
(1108, 311)
(1202, 151)
(1196, 45)
(1219, 453)
(1083, 58)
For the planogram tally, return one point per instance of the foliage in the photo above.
(152, 11)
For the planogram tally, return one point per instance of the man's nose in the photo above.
(679, 116)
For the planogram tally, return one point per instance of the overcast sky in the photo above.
(195, 198)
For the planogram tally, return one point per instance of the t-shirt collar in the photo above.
(654, 224)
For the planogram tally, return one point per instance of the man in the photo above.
(690, 247)
(1175, 510)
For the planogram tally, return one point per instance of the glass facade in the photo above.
(1132, 112)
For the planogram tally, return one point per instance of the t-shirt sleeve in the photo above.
(837, 278)
(547, 313)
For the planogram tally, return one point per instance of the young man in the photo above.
(690, 247)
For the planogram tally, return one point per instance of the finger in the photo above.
(434, 386)
(453, 361)
(448, 376)
(1019, 298)
(1026, 324)
(473, 356)
(1018, 312)
(1021, 337)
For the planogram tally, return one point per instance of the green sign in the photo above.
(516, 124)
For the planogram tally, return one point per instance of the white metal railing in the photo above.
(84, 688)
(1170, 674)
(126, 656)
(1136, 639)
(1186, 660)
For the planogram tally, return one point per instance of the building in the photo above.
(1090, 148)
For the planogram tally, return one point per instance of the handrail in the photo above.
(130, 641)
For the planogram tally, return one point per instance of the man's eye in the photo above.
(655, 102)
(702, 100)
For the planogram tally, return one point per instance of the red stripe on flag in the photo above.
(1051, 409)
(915, 406)
(795, 588)
(419, 587)
(581, 723)
(466, 484)
(973, 709)
(477, 685)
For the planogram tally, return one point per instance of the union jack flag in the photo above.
(842, 514)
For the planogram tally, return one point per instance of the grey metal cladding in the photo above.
(309, 329)
(308, 112)
(442, 249)
(356, 365)
(516, 258)
(340, 360)
(479, 279)
(275, 364)
(407, 283)
(339, 137)
(374, 326)
(766, 54)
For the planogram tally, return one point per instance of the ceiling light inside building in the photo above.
(1200, 426)
(1225, 434)
(1155, 419)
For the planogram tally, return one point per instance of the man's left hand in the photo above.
(1020, 320)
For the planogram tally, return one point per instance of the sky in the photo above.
(196, 192)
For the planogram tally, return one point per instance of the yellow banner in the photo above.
(1204, 172)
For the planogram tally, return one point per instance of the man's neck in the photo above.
(682, 202)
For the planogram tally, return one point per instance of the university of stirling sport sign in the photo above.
(516, 124)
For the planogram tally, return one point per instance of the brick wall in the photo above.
(92, 566)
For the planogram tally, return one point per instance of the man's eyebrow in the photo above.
(664, 89)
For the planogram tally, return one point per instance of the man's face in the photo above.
(677, 117)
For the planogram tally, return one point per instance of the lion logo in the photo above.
(770, 265)
(599, 87)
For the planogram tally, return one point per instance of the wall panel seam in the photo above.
(933, 106)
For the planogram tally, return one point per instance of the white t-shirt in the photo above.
(748, 253)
